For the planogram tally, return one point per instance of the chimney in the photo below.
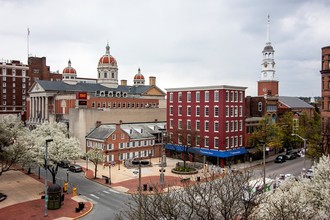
(152, 80)
(118, 125)
(98, 124)
(123, 82)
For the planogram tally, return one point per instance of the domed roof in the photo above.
(268, 48)
(69, 69)
(139, 75)
(107, 58)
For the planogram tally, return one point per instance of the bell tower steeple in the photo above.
(267, 85)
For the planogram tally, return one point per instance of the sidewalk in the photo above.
(24, 201)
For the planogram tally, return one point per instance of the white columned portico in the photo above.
(39, 109)
(46, 109)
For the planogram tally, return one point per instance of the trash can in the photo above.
(54, 196)
(151, 188)
(81, 205)
(145, 187)
(107, 180)
(198, 179)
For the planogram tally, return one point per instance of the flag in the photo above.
(28, 31)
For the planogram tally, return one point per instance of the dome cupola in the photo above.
(107, 70)
(69, 74)
(139, 78)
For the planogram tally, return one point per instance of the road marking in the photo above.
(95, 196)
(107, 192)
(114, 191)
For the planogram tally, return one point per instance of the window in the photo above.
(260, 106)
(216, 126)
(236, 96)
(216, 142)
(188, 96)
(240, 111)
(188, 125)
(180, 97)
(236, 125)
(216, 96)
(236, 141)
(236, 111)
(110, 146)
(240, 125)
(216, 111)
(114, 137)
(232, 142)
(240, 96)
(114, 105)
(198, 125)
(171, 123)
(171, 110)
(227, 96)
(189, 139)
(121, 145)
(198, 140)
(232, 126)
(93, 104)
(232, 98)
(188, 111)
(179, 138)
(198, 111)
(180, 124)
(227, 126)
(103, 105)
(109, 104)
(232, 111)
(171, 97)
(227, 111)
(207, 111)
(180, 110)
(198, 97)
(206, 141)
(240, 140)
(122, 136)
(227, 142)
(206, 128)
(207, 96)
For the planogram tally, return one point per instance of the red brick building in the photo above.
(216, 115)
(325, 93)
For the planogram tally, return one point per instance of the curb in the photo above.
(86, 213)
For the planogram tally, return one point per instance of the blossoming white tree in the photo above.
(96, 156)
(12, 142)
(61, 148)
(303, 199)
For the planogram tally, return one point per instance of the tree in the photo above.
(12, 142)
(185, 138)
(210, 199)
(95, 156)
(61, 148)
(304, 199)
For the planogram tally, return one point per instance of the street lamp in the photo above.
(46, 158)
(305, 140)
(264, 163)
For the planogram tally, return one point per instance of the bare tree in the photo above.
(220, 198)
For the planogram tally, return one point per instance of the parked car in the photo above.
(309, 173)
(290, 156)
(64, 163)
(75, 168)
(280, 159)
(2, 197)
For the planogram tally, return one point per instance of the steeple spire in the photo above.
(268, 29)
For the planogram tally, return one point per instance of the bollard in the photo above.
(74, 191)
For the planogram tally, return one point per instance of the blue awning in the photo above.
(208, 152)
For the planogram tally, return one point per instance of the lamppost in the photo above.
(264, 163)
(305, 140)
(46, 159)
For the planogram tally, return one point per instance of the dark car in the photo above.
(75, 168)
(290, 156)
(280, 159)
(64, 163)
(2, 197)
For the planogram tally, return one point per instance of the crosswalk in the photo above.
(101, 195)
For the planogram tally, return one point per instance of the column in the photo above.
(39, 109)
(46, 109)
(42, 109)
(33, 108)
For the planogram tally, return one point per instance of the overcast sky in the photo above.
(183, 43)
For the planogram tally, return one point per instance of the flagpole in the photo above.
(28, 35)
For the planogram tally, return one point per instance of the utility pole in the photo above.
(46, 186)
(140, 189)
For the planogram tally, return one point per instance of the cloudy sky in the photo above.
(182, 42)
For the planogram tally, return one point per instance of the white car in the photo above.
(309, 173)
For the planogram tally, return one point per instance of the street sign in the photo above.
(113, 163)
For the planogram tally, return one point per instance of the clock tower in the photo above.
(267, 85)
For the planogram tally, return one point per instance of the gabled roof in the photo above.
(294, 102)
(102, 132)
(133, 130)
